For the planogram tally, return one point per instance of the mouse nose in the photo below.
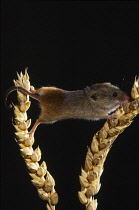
(125, 99)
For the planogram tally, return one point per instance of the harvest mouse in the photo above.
(98, 101)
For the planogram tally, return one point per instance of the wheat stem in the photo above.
(100, 146)
(41, 178)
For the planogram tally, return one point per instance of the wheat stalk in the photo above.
(100, 146)
(41, 178)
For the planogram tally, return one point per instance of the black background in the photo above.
(69, 44)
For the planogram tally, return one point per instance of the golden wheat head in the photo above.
(41, 178)
(100, 146)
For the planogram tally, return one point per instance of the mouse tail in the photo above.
(22, 90)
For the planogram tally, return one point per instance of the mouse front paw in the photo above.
(111, 116)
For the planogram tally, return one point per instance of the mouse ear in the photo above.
(94, 96)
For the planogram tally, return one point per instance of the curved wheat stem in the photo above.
(100, 146)
(41, 178)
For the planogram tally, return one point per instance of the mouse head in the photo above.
(106, 96)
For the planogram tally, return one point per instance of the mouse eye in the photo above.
(115, 94)
(94, 97)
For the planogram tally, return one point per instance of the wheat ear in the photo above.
(100, 146)
(41, 178)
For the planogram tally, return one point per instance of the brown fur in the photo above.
(95, 102)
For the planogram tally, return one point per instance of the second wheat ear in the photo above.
(100, 146)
